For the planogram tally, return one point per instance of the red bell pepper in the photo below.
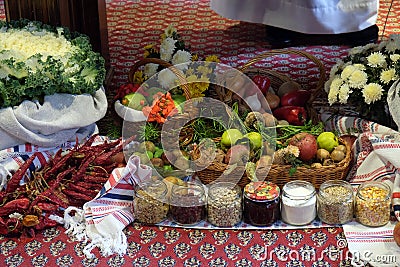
(262, 82)
(296, 98)
(295, 115)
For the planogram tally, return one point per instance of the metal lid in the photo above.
(262, 190)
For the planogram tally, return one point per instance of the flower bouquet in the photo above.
(50, 84)
(367, 80)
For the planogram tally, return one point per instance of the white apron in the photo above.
(306, 16)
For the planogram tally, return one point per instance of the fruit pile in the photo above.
(288, 102)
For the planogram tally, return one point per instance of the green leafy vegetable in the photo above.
(38, 59)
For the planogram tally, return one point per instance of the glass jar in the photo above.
(224, 204)
(150, 202)
(188, 203)
(261, 203)
(335, 202)
(298, 203)
(372, 203)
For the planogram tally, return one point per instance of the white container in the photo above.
(298, 204)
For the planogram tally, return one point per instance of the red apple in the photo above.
(307, 144)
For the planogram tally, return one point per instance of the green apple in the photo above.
(230, 136)
(256, 140)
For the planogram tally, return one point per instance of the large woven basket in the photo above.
(278, 174)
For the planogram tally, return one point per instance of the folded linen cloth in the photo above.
(101, 221)
(60, 118)
(375, 246)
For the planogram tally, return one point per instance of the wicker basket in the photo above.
(277, 78)
(179, 119)
(279, 174)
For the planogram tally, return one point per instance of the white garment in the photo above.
(306, 16)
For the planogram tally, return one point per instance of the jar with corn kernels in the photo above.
(372, 203)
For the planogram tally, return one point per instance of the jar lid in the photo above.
(262, 190)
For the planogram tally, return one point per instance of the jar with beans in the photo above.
(261, 203)
(150, 202)
(372, 203)
(335, 202)
(224, 207)
(188, 203)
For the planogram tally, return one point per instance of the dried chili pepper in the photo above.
(82, 190)
(45, 222)
(15, 205)
(13, 183)
(77, 195)
(44, 206)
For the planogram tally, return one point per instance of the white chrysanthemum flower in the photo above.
(293, 150)
(169, 31)
(347, 71)
(359, 66)
(150, 69)
(394, 57)
(371, 46)
(388, 75)
(167, 48)
(376, 59)
(358, 79)
(344, 93)
(382, 45)
(393, 43)
(372, 92)
(334, 90)
(356, 50)
(336, 68)
(327, 85)
(336, 83)
(181, 56)
(167, 79)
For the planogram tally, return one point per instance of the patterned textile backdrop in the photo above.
(133, 24)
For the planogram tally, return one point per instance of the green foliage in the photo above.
(37, 76)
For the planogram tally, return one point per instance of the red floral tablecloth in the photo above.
(169, 246)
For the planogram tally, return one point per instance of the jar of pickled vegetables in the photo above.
(261, 202)
(372, 203)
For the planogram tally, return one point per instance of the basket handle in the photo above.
(165, 64)
(322, 77)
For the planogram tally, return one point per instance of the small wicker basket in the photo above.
(186, 134)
